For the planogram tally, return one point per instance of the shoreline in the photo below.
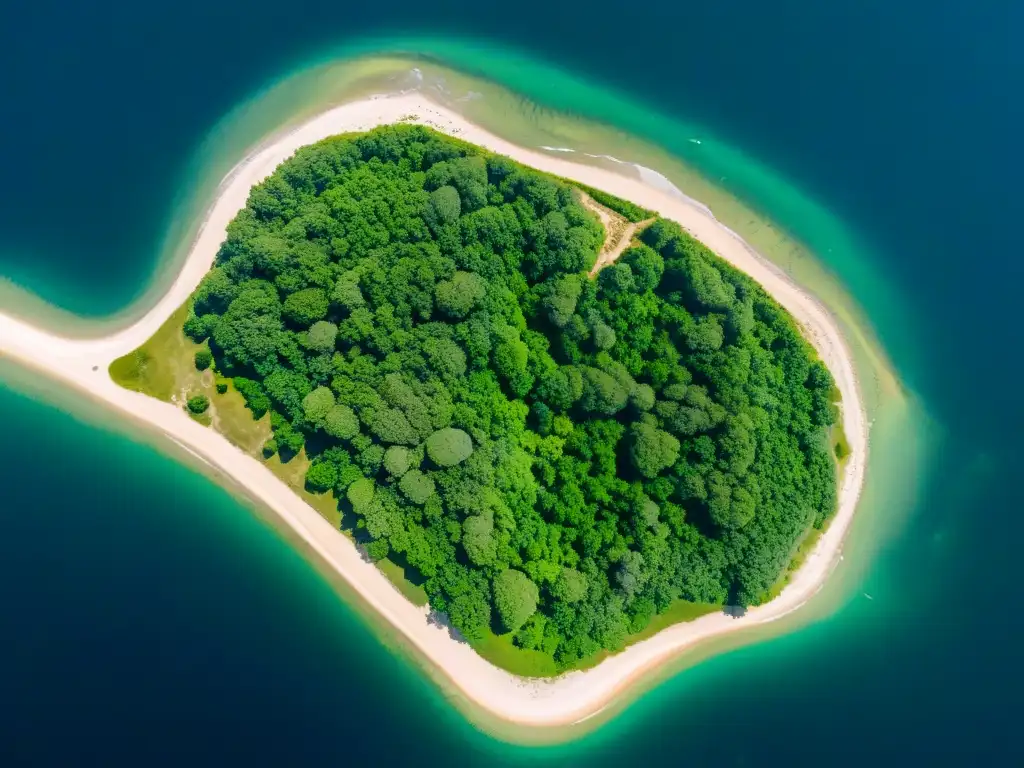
(574, 696)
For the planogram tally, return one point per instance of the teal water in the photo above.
(163, 623)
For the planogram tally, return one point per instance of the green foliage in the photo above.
(571, 456)
(647, 266)
(347, 293)
(341, 422)
(321, 476)
(456, 297)
(642, 397)
(602, 393)
(563, 294)
(203, 358)
(360, 494)
(515, 597)
(397, 460)
(305, 307)
(390, 425)
(445, 206)
(317, 405)
(571, 586)
(652, 449)
(630, 210)
(448, 447)
(198, 404)
(322, 336)
(255, 398)
(417, 486)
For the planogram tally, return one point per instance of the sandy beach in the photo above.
(558, 702)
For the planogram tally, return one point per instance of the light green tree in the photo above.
(515, 597)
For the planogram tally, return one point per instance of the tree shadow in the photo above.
(438, 619)
(349, 520)
(317, 442)
(411, 574)
(286, 454)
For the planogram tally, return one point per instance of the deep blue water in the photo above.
(163, 625)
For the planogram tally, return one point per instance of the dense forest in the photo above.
(556, 456)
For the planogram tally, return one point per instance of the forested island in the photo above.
(558, 453)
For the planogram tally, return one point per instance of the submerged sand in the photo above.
(560, 701)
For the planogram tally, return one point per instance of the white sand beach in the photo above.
(571, 697)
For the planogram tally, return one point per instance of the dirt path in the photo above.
(619, 229)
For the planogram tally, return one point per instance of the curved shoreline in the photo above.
(570, 698)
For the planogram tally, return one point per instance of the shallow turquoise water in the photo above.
(164, 623)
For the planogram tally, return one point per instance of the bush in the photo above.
(198, 403)
(321, 476)
(222, 387)
(377, 549)
(203, 358)
(199, 328)
(256, 399)
(630, 210)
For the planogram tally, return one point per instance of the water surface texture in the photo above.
(151, 618)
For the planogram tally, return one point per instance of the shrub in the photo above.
(321, 476)
(203, 358)
(198, 403)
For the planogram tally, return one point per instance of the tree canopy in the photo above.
(557, 456)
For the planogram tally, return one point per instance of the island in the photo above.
(559, 420)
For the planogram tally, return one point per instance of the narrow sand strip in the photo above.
(564, 700)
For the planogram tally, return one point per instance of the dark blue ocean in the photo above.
(150, 618)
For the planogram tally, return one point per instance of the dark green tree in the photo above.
(198, 403)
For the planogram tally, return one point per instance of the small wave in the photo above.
(557, 149)
(658, 181)
(608, 157)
